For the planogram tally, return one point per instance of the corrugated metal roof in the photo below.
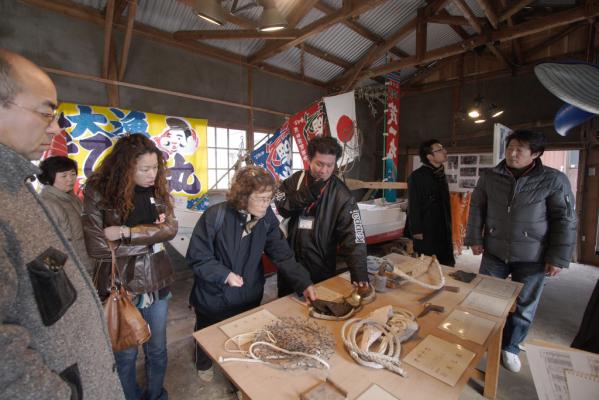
(333, 3)
(472, 4)
(436, 36)
(288, 60)
(342, 42)
(389, 16)
(244, 47)
(320, 69)
(93, 3)
(312, 16)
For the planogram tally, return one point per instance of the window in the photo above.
(224, 146)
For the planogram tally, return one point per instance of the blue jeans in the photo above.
(155, 357)
(532, 275)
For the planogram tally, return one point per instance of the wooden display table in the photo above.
(263, 382)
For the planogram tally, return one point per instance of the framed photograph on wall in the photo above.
(500, 133)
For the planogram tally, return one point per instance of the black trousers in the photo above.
(204, 320)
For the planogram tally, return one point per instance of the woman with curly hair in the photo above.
(127, 203)
(225, 253)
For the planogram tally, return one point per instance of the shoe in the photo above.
(511, 361)
(206, 375)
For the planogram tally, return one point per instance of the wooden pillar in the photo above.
(250, 131)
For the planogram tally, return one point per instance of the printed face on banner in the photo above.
(90, 132)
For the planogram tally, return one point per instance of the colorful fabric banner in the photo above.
(306, 125)
(391, 137)
(341, 113)
(90, 131)
(275, 154)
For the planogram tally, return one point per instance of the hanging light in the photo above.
(211, 11)
(271, 20)
(495, 111)
(480, 121)
(475, 111)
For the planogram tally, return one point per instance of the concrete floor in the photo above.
(558, 317)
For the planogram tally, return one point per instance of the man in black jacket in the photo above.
(324, 219)
(429, 210)
(521, 217)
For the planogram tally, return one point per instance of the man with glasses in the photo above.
(53, 341)
(324, 219)
(523, 222)
(429, 209)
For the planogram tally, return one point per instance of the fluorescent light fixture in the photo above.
(474, 113)
(271, 20)
(211, 11)
(495, 111)
(480, 121)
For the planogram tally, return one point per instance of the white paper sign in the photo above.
(468, 326)
(484, 303)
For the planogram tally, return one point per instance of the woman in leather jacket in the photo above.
(58, 176)
(127, 203)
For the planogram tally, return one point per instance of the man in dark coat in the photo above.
(522, 218)
(324, 219)
(429, 210)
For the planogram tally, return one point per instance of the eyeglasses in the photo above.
(263, 200)
(48, 117)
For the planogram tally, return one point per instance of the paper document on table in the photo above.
(549, 365)
(440, 359)
(249, 323)
(497, 287)
(582, 386)
(468, 326)
(488, 304)
(375, 392)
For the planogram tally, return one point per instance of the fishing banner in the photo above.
(275, 154)
(306, 125)
(90, 131)
(341, 112)
(391, 137)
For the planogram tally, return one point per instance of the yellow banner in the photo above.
(92, 130)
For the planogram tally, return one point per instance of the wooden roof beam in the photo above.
(456, 28)
(516, 44)
(72, 9)
(108, 18)
(553, 39)
(509, 33)
(361, 30)
(487, 8)
(235, 34)
(349, 77)
(349, 10)
(326, 56)
(421, 23)
(128, 35)
(448, 19)
(513, 9)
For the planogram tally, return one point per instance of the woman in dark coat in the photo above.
(225, 254)
(429, 209)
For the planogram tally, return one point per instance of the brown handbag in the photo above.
(126, 326)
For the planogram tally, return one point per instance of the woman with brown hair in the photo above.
(225, 253)
(127, 203)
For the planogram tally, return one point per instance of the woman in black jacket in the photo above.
(225, 255)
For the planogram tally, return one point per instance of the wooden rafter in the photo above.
(516, 44)
(109, 17)
(469, 15)
(553, 39)
(326, 56)
(421, 22)
(448, 19)
(347, 80)
(487, 8)
(505, 34)
(69, 8)
(120, 6)
(349, 10)
(127, 41)
(235, 34)
(361, 30)
(456, 28)
(302, 8)
(513, 9)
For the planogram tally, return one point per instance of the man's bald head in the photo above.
(27, 98)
